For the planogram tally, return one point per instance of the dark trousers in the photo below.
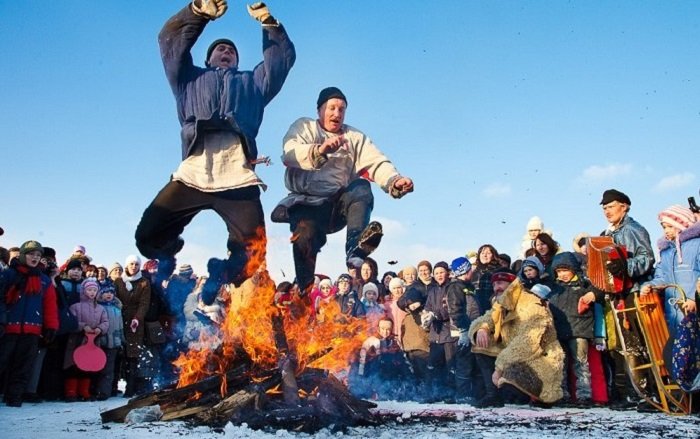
(164, 220)
(52, 375)
(467, 382)
(310, 226)
(507, 392)
(106, 375)
(441, 380)
(17, 355)
(487, 365)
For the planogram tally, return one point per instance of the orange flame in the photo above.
(327, 341)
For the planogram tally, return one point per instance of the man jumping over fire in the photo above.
(220, 109)
(326, 161)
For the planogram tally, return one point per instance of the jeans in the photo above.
(576, 350)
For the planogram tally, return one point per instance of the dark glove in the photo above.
(2, 330)
(49, 335)
(617, 267)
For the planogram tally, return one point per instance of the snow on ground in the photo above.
(59, 420)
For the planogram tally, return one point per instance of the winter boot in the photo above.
(84, 389)
(370, 238)
(13, 401)
(70, 389)
(490, 400)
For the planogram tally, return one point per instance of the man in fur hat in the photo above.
(516, 346)
(220, 110)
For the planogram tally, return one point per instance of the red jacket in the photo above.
(32, 312)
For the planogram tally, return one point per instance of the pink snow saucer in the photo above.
(89, 357)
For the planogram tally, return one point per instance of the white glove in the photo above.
(463, 339)
(211, 9)
(426, 318)
(134, 324)
(259, 11)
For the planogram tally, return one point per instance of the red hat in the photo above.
(502, 276)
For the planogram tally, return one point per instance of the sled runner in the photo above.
(644, 358)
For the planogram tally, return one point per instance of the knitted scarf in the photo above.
(129, 279)
(28, 281)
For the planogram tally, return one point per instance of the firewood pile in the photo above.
(290, 384)
(261, 402)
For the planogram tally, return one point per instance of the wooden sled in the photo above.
(649, 314)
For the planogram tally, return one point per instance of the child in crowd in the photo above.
(28, 311)
(370, 299)
(92, 318)
(350, 304)
(532, 272)
(71, 279)
(382, 369)
(574, 328)
(414, 339)
(391, 306)
(320, 297)
(111, 341)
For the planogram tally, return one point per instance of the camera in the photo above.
(693, 206)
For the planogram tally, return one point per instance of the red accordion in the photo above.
(601, 250)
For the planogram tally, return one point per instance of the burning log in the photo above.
(332, 406)
(172, 396)
(253, 395)
(287, 361)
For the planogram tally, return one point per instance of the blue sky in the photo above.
(498, 110)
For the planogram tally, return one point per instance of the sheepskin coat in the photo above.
(527, 351)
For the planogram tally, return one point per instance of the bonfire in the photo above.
(266, 365)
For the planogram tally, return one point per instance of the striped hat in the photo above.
(185, 270)
(677, 216)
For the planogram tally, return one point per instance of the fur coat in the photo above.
(527, 351)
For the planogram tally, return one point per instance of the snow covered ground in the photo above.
(406, 419)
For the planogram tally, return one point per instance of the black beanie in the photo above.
(213, 45)
(329, 93)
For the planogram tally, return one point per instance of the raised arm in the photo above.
(278, 53)
(176, 39)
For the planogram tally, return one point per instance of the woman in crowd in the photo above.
(134, 292)
(486, 264)
(546, 247)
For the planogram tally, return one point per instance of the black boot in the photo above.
(490, 400)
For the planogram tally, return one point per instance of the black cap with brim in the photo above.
(614, 195)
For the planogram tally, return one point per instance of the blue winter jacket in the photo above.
(221, 99)
(32, 312)
(640, 255)
(685, 274)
